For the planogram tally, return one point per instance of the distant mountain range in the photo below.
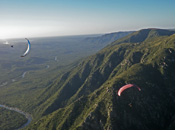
(86, 96)
(103, 40)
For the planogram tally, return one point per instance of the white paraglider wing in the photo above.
(28, 48)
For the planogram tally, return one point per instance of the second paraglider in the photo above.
(28, 48)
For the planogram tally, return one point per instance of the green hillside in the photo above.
(86, 96)
(10, 119)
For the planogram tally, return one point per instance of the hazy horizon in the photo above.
(88, 35)
(50, 18)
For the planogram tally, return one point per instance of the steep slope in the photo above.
(86, 97)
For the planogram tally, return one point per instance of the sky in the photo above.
(40, 18)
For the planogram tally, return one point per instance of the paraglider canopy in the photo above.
(126, 87)
(28, 48)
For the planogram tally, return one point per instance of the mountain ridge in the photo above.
(86, 96)
(142, 35)
(105, 39)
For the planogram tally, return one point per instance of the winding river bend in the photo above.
(28, 116)
(23, 75)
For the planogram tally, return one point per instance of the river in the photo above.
(3, 84)
(28, 116)
(23, 75)
(55, 58)
(47, 66)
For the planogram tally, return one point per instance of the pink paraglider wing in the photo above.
(126, 87)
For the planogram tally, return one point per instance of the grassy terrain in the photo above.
(10, 119)
(86, 96)
(83, 94)
(26, 82)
